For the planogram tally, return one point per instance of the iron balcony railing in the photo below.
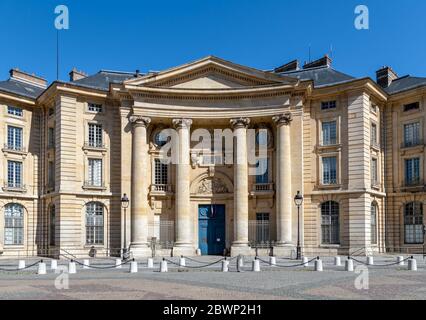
(94, 145)
(12, 186)
(94, 184)
(329, 142)
(412, 143)
(161, 188)
(11, 147)
(414, 182)
(259, 187)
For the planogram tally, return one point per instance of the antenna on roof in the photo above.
(331, 51)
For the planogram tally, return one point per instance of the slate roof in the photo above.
(322, 76)
(103, 78)
(405, 83)
(21, 88)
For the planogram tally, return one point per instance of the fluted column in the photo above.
(241, 192)
(184, 226)
(140, 180)
(283, 180)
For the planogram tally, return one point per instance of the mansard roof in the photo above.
(321, 76)
(404, 84)
(20, 88)
(104, 78)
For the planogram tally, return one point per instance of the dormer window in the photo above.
(15, 111)
(328, 105)
(93, 107)
(411, 106)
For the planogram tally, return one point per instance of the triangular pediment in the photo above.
(210, 73)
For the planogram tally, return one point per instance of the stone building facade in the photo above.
(353, 147)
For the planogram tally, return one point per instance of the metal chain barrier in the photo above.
(22, 269)
(98, 267)
(195, 267)
(380, 265)
(291, 266)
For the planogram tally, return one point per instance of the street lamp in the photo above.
(125, 202)
(298, 200)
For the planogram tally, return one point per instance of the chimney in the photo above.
(77, 75)
(291, 66)
(323, 62)
(385, 76)
(32, 79)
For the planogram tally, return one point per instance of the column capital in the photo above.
(283, 119)
(182, 123)
(137, 121)
(238, 123)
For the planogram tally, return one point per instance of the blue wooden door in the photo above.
(212, 229)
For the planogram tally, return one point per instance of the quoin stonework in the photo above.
(354, 147)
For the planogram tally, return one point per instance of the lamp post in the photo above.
(125, 202)
(298, 200)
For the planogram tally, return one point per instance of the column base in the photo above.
(140, 251)
(187, 251)
(286, 250)
(237, 250)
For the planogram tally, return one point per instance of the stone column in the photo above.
(241, 192)
(284, 196)
(139, 199)
(184, 226)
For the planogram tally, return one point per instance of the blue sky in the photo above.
(154, 35)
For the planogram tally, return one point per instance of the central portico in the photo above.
(211, 94)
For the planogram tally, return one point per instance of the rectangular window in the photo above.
(411, 106)
(14, 174)
(51, 174)
(161, 173)
(373, 224)
(374, 140)
(15, 111)
(329, 167)
(327, 105)
(374, 172)
(95, 135)
(412, 134)
(14, 138)
(329, 133)
(51, 112)
(95, 173)
(262, 169)
(93, 107)
(51, 138)
(412, 171)
(262, 228)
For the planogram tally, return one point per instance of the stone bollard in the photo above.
(53, 264)
(337, 261)
(150, 263)
(318, 265)
(305, 262)
(349, 265)
(412, 264)
(370, 261)
(118, 263)
(86, 264)
(72, 269)
(272, 261)
(182, 262)
(225, 265)
(41, 268)
(163, 267)
(256, 265)
(198, 252)
(400, 260)
(133, 266)
(21, 264)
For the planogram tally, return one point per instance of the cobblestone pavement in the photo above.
(390, 282)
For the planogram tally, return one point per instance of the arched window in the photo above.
(52, 228)
(373, 223)
(14, 224)
(94, 223)
(413, 223)
(330, 223)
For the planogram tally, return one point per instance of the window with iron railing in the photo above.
(329, 133)
(94, 223)
(95, 173)
(14, 175)
(14, 138)
(95, 136)
(412, 172)
(329, 168)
